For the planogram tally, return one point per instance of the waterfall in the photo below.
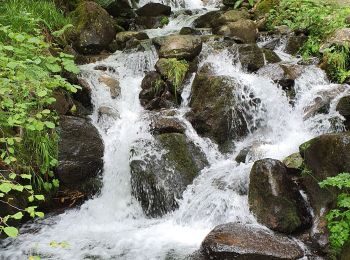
(112, 224)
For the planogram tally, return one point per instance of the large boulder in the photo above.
(215, 19)
(178, 46)
(214, 108)
(166, 124)
(294, 43)
(94, 28)
(324, 156)
(275, 199)
(159, 181)
(120, 8)
(80, 153)
(343, 107)
(243, 31)
(252, 57)
(238, 241)
(153, 9)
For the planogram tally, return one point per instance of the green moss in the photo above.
(164, 21)
(264, 6)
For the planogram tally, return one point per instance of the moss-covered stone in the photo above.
(243, 30)
(215, 111)
(275, 199)
(156, 182)
(93, 28)
(294, 162)
(265, 6)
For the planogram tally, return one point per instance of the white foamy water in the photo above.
(112, 225)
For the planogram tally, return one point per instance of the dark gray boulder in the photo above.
(153, 9)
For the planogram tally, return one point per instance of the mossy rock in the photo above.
(157, 183)
(93, 28)
(215, 109)
(265, 6)
(294, 162)
(275, 199)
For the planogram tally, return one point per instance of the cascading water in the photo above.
(112, 225)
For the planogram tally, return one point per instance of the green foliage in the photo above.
(15, 13)
(319, 19)
(339, 219)
(176, 72)
(29, 75)
(239, 3)
(164, 21)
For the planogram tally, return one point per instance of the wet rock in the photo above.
(145, 22)
(120, 8)
(83, 95)
(341, 37)
(295, 43)
(178, 46)
(322, 100)
(164, 125)
(111, 83)
(275, 199)
(238, 241)
(63, 102)
(215, 113)
(345, 254)
(252, 57)
(243, 31)
(156, 182)
(284, 75)
(94, 28)
(107, 111)
(294, 163)
(123, 38)
(187, 31)
(343, 107)
(324, 156)
(104, 68)
(153, 9)
(215, 19)
(283, 30)
(80, 153)
(169, 67)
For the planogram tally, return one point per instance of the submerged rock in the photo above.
(275, 199)
(112, 84)
(238, 241)
(80, 153)
(94, 28)
(127, 38)
(178, 46)
(214, 108)
(157, 183)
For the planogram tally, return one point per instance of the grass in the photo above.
(12, 12)
(319, 19)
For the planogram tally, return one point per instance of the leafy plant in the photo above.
(339, 219)
(176, 72)
(164, 21)
(240, 2)
(29, 76)
(319, 20)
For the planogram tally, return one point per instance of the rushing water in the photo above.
(112, 225)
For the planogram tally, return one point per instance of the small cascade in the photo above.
(112, 225)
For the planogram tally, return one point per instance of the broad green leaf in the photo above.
(18, 215)
(49, 124)
(5, 187)
(39, 197)
(11, 231)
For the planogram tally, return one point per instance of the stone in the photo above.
(294, 163)
(323, 99)
(111, 83)
(158, 183)
(123, 38)
(215, 19)
(243, 31)
(83, 95)
(153, 9)
(341, 37)
(178, 46)
(295, 43)
(238, 241)
(343, 107)
(252, 57)
(165, 125)
(153, 22)
(213, 105)
(120, 8)
(263, 7)
(80, 154)
(275, 199)
(63, 102)
(107, 111)
(94, 28)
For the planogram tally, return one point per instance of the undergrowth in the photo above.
(319, 20)
(29, 75)
(176, 72)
